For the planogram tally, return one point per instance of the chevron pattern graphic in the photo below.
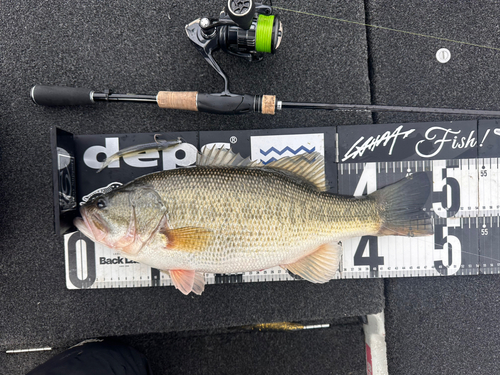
(282, 151)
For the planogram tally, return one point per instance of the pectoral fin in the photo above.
(188, 281)
(187, 238)
(320, 266)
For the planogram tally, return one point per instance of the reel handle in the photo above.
(59, 95)
(224, 103)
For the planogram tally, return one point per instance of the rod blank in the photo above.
(389, 108)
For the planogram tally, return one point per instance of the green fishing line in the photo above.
(264, 33)
(390, 29)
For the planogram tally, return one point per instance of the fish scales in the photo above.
(258, 218)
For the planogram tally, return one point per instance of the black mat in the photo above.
(338, 349)
(446, 326)
(434, 325)
(141, 46)
(403, 65)
(437, 325)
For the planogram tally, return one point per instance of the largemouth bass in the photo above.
(229, 214)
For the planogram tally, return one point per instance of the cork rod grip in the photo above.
(185, 100)
(268, 104)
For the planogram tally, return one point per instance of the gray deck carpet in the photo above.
(434, 325)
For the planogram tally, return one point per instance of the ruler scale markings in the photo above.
(481, 163)
(482, 171)
(487, 187)
(496, 196)
(473, 186)
(465, 189)
(487, 184)
(490, 182)
(477, 200)
(495, 180)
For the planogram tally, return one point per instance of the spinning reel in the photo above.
(244, 29)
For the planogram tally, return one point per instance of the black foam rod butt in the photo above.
(59, 95)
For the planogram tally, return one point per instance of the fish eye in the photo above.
(101, 203)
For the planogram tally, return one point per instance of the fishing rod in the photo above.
(244, 29)
(222, 103)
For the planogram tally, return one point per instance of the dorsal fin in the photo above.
(223, 157)
(309, 167)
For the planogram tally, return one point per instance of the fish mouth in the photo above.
(91, 226)
(79, 223)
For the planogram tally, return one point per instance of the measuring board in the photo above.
(460, 158)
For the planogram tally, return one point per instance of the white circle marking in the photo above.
(443, 55)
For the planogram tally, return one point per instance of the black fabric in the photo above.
(96, 358)
(444, 325)
(403, 65)
(338, 349)
(434, 325)
(141, 46)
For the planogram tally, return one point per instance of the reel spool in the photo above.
(257, 30)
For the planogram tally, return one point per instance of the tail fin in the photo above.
(401, 206)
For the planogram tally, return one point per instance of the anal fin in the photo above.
(320, 266)
(188, 281)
